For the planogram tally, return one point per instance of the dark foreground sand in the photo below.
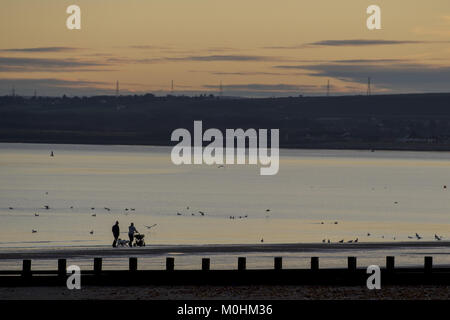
(228, 292)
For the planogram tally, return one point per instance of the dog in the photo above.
(122, 243)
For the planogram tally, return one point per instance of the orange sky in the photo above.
(254, 47)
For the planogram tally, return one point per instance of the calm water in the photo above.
(387, 194)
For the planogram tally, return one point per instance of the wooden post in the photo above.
(97, 265)
(242, 263)
(390, 263)
(26, 268)
(205, 264)
(133, 263)
(278, 263)
(315, 263)
(62, 268)
(351, 264)
(170, 264)
(428, 264)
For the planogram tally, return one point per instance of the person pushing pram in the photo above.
(131, 231)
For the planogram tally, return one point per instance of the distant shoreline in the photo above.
(413, 122)
(321, 146)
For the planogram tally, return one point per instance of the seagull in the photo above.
(91, 232)
(418, 237)
(221, 166)
(329, 241)
(342, 241)
(149, 227)
(179, 214)
(267, 210)
(409, 237)
(262, 239)
(133, 209)
(92, 208)
(11, 208)
(368, 234)
(46, 207)
(437, 237)
(33, 231)
(94, 215)
(350, 241)
(324, 240)
(36, 214)
(71, 207)
(202, 213)
(356, 240)
(335, 222)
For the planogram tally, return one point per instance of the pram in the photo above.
(139, 240)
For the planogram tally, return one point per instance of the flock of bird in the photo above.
(416, 236)
(267, 212)
(201, 213)
(47, 207)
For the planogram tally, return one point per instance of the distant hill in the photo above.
(409, 122)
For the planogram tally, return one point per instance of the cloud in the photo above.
(353, 43)
(13, 64)
(199, 58)
(248, 73)
(254, 73)
(400, 77)
(187, 52)
(148, 47)
(245, 58)
(345, 61)
(41, 49)
(360, 42)
(369, 60)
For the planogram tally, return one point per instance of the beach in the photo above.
(227, 293)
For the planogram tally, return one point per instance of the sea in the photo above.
(72, 199)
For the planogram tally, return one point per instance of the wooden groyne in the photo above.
(352, 275)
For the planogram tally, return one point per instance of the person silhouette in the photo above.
(131, 231)
(116, 233)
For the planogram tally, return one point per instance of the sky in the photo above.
(254, 48)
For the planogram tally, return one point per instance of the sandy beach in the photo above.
(227, 292)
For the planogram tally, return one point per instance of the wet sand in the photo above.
(227, 292)
(106, 251)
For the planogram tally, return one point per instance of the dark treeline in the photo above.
(412, 121)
